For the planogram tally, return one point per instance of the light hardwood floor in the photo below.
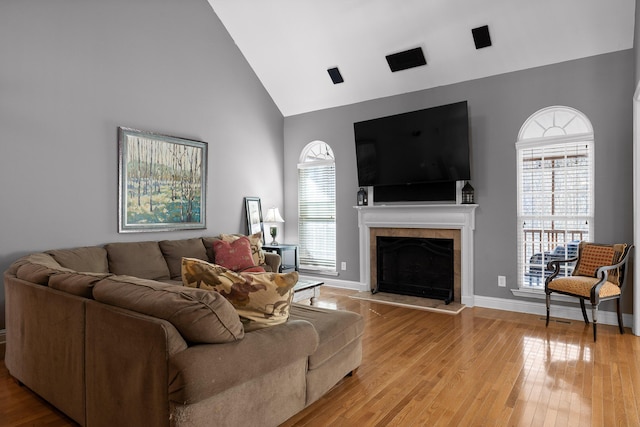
(479, 368)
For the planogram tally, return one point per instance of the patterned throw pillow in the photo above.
(235, 255)
(593, 257)
(597, 255)
(256, 245)
(261, 299)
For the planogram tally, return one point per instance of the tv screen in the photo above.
(424, 146)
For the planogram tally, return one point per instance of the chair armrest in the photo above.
(555, 265)
(556, 262)
(272, 260)
(603, 274)
(623, 261)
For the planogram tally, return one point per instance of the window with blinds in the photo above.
(555, 191)
(317, 208)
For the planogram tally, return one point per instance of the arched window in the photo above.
(317, 208)
(555, 190)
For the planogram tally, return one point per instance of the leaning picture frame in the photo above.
(161, 182)
(253, 210)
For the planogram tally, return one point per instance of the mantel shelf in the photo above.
(439, 206)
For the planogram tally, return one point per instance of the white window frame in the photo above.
(538, 138)
(317, 154)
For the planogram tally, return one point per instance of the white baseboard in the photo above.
(3, 342)
(337, 283)
(540, 308)
(519, 306)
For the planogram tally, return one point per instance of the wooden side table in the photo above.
(288, 256)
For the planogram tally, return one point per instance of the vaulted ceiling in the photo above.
(290, 44)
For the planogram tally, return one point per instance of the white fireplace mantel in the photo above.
(445, 216)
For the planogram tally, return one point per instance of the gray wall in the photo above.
(601, 87)
(73, 71)
(636, 36)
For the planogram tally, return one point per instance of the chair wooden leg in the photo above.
(584, 311)
(619, 309)
(548, 304)
(595, 321)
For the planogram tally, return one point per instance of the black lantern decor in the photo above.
(362, 197)
(468, 194)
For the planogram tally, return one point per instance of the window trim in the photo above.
(327, 159)
(522, 289)
(538, 293)
(554, 140)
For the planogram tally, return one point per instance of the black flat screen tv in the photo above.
(419, 147)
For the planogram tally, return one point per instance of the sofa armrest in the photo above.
(127, 356)
(45, 343)
(272, 260)
(204, 370)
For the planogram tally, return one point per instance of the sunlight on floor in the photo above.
(554, 381)
(326, 304)
(556, 351)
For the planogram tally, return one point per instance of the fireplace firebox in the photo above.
(416, 266)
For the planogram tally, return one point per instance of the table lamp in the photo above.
(273, 216)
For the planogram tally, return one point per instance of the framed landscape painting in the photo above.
(162, 182)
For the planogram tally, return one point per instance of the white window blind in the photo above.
(555, 192)
(317, 211)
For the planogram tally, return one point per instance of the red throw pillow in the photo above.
(236, 255)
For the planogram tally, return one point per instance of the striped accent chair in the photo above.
(598, 276)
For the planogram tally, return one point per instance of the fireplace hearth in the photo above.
(416, 266)
(444, 221)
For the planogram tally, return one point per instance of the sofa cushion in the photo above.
(80, 284)
(87, 259)
(195, 378)
(208, 246)
(200, 316)
(261, 299)
(37, 268)
(582, 285)
(235, 255)
(336, 329)
(137, 259)
(174, 250)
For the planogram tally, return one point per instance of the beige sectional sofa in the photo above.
(109, 336)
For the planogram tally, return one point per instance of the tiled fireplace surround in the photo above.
(449, 221)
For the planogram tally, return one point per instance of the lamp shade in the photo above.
(273, 215)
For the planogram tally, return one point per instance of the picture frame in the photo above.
(253, 209)
(162, 182)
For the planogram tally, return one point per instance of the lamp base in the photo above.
(274, 232)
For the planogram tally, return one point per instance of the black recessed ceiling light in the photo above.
(407, 59)
(481, 37)
(335, 75)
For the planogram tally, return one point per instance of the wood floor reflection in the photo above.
(481, 367)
